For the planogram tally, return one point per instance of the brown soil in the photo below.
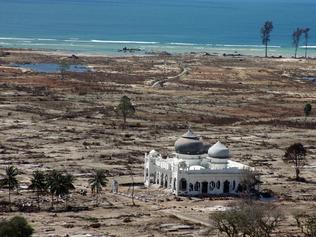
(253, 105)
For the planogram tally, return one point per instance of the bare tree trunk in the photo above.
(297, 172)
(38, 201)
(9, 199)
(295, 51)
(133, 189)
(52, 203)
(306, 49)
(266, 53)
(124, 120)
(97, 199)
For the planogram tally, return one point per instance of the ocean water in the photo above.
(106, 26)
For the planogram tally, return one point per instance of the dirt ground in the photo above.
(253, 105)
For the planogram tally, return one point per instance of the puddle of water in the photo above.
(311, 79)
(52, 67)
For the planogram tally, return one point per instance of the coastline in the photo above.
(140, 48)
(68, 53)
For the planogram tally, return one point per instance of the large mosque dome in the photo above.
(218, 150)
(189, 144)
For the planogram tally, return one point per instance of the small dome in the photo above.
(189, 144)
(153, 153)
(218, 150)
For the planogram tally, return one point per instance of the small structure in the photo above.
(194, 169)
(114, 186)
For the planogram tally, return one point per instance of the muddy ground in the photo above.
(253, 105)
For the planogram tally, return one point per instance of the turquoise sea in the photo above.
(105, 26)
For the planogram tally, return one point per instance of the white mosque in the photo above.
(195, 169)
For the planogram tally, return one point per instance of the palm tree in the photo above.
(10, 181)
(38, 185)
(59, 184)
(52, 183)
(265, 35)
(66, 186)
(97, 182)
(306, 36)
(296, 36)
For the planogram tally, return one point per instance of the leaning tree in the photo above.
(266, 29)
(295, 154)
(296, 36)
(125, 108)
(10, 180)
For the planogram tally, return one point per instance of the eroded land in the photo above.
(253, 105)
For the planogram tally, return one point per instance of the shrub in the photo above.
(15, 227)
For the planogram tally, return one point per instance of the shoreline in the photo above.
(66, 53)
(140, 48)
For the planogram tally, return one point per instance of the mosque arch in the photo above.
(174, 184)
(190, 187)
(152, 178)
(146, 172)
(226, 186)
(183, 184)
(166, 181)
(211, 185)
(197, 186)
(161, 179)
(234, 185)
(204, 187)
(218, 184)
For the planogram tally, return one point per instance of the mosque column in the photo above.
(145, 176)
(159, 179)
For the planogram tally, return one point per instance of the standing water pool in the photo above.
(52, 67)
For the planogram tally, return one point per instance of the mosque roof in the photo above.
(218, 150)
(189, 144)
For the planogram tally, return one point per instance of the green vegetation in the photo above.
(125, 108)
(307, 109)
(97, 182)
(10, 181)
(59, 184)
(266, 29)
(38, 185)
(15, 227)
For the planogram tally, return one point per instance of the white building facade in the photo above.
(195, 169)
